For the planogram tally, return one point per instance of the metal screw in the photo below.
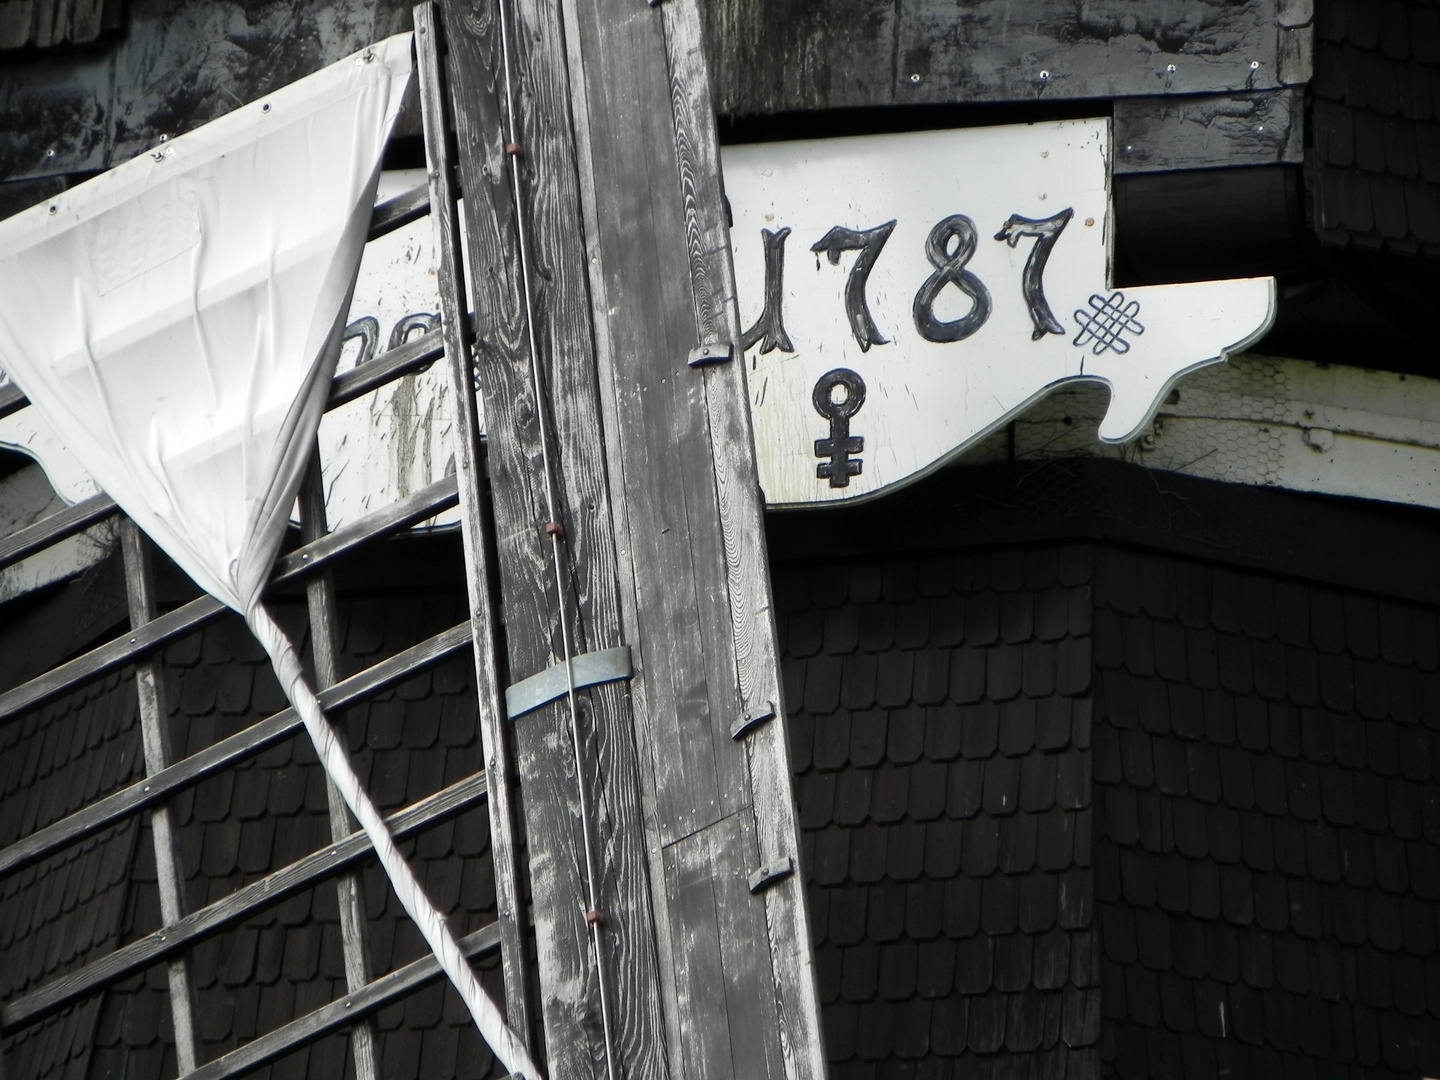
(265, 107)
(915, 79)
(54, 209)
(1254, 65)
(1170, 69)
(50, 153)
(1089, 222)
(1044, 76)
(1259, 128)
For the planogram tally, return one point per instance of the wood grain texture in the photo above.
(155, 739)
(742, 527)
(683, 478)
(475, 528)
(1157, 134)
(546, 763)
(325, 650)
(790, 55)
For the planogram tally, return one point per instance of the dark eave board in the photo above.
(795, 55)
(176, 66)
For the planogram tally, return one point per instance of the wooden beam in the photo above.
(518, 457)
(1161, 134)
(476, 528)
(680, 460)
(798, 55)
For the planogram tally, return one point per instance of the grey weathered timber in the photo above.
(788, 55)
(320, 600)
(342, 1011)
(177, 623)
(1159, 134)
(271, 889)
(689, 510)
(404, 208)
(73, 519)
(177, 65)
(153, 789)
(475, 526)
(546, 763)
(155, 739)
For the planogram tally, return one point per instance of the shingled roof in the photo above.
(1375, 165)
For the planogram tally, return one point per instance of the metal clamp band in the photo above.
(606, 665)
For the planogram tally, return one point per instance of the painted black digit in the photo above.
(841, 444)
(950, 270)
(423, 321)
(1032, 281)
(857, 306)
(769, 329)
(367, 329)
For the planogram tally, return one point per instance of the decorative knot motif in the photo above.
(1108, 318)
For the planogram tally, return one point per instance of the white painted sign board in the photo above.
(905, 295)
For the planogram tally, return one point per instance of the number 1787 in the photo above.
(949, 247)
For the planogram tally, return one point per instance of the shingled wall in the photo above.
(1267, 805)
(235, 827)
(940, 732)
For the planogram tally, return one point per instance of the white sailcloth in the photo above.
(177, 322)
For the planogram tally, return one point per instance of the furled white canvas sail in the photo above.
(177, 321)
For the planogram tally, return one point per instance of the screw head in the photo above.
(1044, 76)
(1170, 68)
(915, 79)
(1254, 65)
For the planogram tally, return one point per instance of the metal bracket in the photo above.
(589, 669)
(766, 876)
(747, 724)
(716, 352)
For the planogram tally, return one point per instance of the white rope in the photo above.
(433, 928)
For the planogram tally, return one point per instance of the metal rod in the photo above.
(593, 918)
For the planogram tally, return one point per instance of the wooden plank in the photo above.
(1157, 134)
(404, 208)
(629, 140)
(271, 889)
(155, 738)
(608, 766)
(120, 804)
(475, 528)
(741, 524)
(320, 599)
(181, 621)
(791, 55)
(342, 1012)
(51, 530)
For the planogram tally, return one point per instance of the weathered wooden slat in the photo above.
(324, 647)
(1160, 134)
(341, 1012)
(515, 451)
(269, 890)
(404, 208)
(164, 784)
(388, 366)
(741, 521)
(176, 624)
(796, 55)
(475, 526)
(73, 519)
(155, 739)
(676, 438)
